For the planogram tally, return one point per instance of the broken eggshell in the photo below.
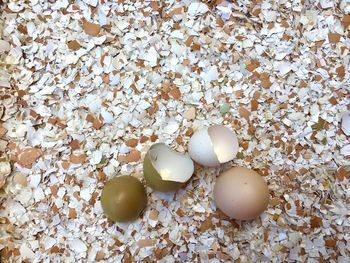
(345, 123)
(5, 170)
(166, 170)
(214, 145)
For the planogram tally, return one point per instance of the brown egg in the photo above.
(241, 193)
(123, 198)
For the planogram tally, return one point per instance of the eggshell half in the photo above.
(241, 193)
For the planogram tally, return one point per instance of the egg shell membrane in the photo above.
(123, 198)
(224, 141)
(199, 143)
(241, 193)
(171, 165)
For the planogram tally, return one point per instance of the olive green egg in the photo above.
(166, 170)
(154, 180)
(123, 198)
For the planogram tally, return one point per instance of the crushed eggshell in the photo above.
(74, 45)
(3, 131)
(91, 29)
(244, 113)
(77, 159)
(197, 8)
(132, 143)
(131, 157)
(345, 150)
(82, 78)
(20, 178)
(28, 156)
(190, 114)
(146, 242)
(334, 37)
(77, 246)
(224, 108)
(5, 170)
(4, 46)
(345, 123)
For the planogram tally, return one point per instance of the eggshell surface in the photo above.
(165, 169)
(225, 143)
(241, 193)
(123, 198)
(200, 148)
(214, 145)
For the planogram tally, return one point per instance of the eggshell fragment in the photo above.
(91, 28)
(241, 193)
(4, 46)
(214, 145)
(77, 159)
(345, 123)
(29, 156)
(5, 170)
(74, 45)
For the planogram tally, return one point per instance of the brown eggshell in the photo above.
(241, 193)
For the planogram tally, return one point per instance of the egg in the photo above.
(214, 145)
(123, 198)
(241, 193)
(165, 169)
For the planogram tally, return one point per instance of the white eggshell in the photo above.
(4, 46)
(201, 150)
(213, 146)
(171, 165)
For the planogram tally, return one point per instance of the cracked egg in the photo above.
(165, 169)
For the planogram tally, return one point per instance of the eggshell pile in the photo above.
(214, 145)
(241, 193)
